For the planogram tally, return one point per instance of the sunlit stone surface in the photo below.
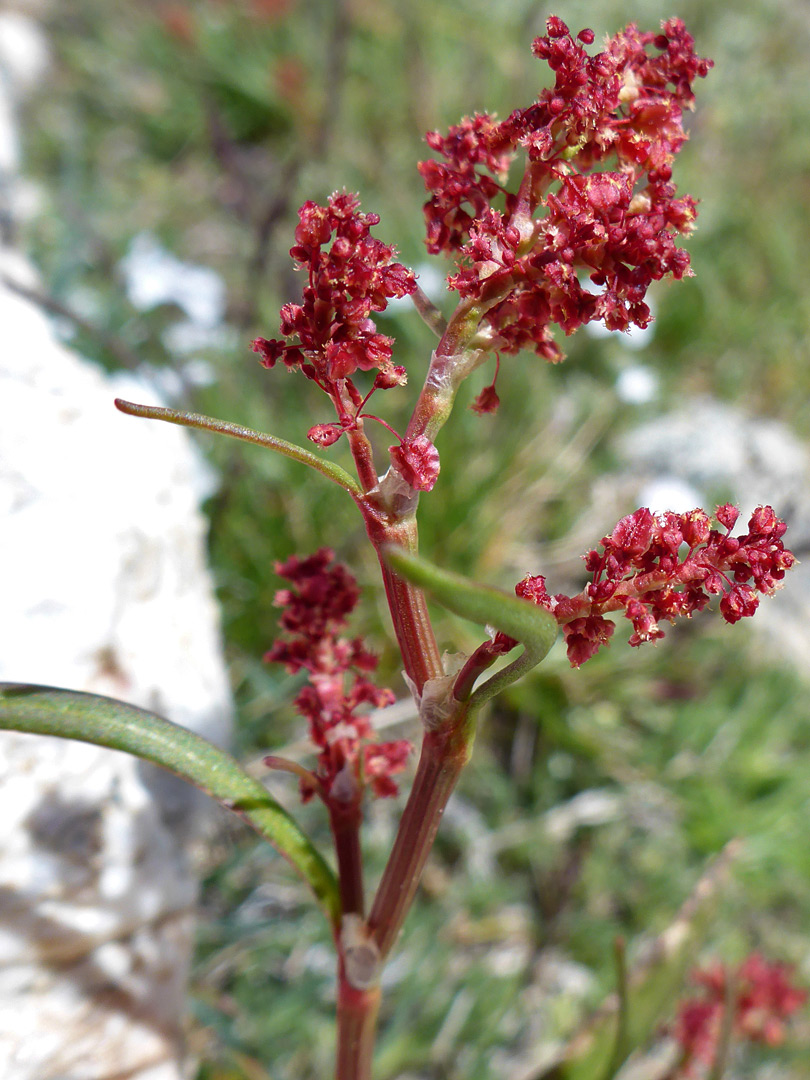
(104, 588)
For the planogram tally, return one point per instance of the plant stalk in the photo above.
(441, 762)
(346, 833)
(413, 629)
(407, 604)
(356, 1029)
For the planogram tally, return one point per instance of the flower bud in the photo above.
(325, 434)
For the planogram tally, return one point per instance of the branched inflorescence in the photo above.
(334, 334)
(616, 226)
(762, 995)
(525, 253)
(657, 567)
(349, 758)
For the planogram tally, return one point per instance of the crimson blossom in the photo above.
(349, 758)
(622, 107)
(330, 335)
(595, 201)
(334, 334)
(763, 998)
(658, 567)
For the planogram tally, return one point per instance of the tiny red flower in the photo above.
(583, 637)
(315, 609)
(325, 434)
(764, 998)
(487, 401)
(600, 145)
(640, 569)
(418, 462)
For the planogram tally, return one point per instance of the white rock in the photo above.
(103, 587)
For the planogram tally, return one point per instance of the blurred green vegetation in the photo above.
(206, 124)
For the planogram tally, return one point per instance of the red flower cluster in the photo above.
(473, 144)
(764, 998)
(332, 330)
(659, 567)
(617, 227)
(319, 604)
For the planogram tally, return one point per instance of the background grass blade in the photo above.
(653, 986)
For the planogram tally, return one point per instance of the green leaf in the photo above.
(528, 623)
(259, 438)
(533, 626)
(69, 714)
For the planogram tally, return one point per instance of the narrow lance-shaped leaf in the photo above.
(259, 438)
(70, 714)
(533, 626)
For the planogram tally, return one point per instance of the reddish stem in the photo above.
(363, 457)
(407, 604)
(389, 515)
(480, 661)
(440, 765)
(358, 442)
(409, 613)
(357, 1024)
(346, 832)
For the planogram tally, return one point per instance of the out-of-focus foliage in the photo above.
(206, 124)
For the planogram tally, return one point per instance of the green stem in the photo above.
(528, 659)
(445, 375)
(224, 427)
(430, 314)
(461, 350)
(69, 714)
(621, 1047)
